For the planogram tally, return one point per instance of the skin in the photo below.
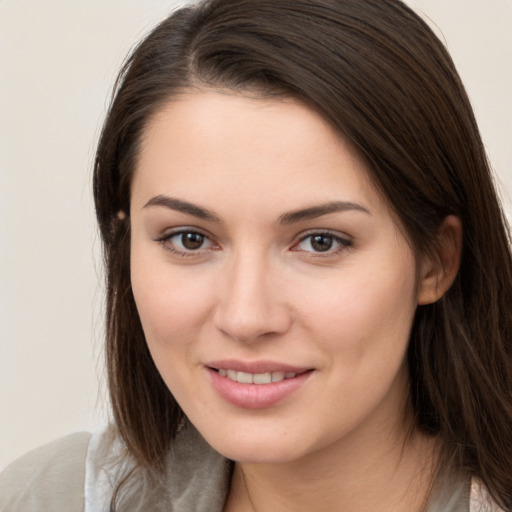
(257, 288)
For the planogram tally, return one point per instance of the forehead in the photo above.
(212, 144)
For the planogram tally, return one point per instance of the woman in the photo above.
(308, 273)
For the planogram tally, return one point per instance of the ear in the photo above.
(437, 273)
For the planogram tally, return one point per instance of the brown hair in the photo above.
(382, 77)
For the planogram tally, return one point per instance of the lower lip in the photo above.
(256, 396)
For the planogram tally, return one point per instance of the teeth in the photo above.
(256, 378)
(262, 378)
(277, 376)
(245, 378)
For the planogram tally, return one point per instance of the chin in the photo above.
(257, 446)
(260, 452)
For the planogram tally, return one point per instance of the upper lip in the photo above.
(256, 366)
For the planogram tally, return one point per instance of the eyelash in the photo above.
(165, 241)
(342, 243)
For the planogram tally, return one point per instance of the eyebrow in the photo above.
(180, 205)
(292, 217)
(316, 211)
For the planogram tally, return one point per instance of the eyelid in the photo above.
(343, 240)
(165, 238)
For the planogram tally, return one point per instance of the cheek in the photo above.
(171, 306)
(363, 330)
(366, 312)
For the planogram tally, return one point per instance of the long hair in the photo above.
(385, 81)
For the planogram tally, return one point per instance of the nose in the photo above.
(251, 305)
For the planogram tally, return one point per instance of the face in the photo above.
(275, 288)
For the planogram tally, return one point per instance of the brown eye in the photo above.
(192, 241)
(321, 243)
(186, 243)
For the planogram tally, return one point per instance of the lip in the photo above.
(255, 366)
(256, 396)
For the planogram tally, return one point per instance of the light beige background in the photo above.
(57, 64)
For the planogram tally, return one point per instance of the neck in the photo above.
(389, 474)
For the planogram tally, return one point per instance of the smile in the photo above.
(256, 378)
(256, 385)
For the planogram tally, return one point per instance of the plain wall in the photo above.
(58, 60)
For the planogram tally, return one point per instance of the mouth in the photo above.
(256, 385)
(255, 378)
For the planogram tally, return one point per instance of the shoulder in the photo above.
(80, 472)
(480, 500)
(196, 477)
(48, 478)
